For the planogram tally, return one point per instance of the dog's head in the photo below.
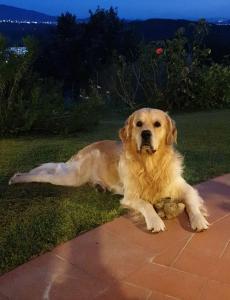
(148, 130)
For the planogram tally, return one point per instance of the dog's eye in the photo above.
(139, 124)
(157, 124)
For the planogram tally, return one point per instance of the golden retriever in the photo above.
(144, 168)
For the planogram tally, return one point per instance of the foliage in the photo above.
(31, 103)
(173, 77)
(213, 87)
(26, 100)
(88, 111)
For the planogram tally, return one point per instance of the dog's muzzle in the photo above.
(146, 141)
(146, 136)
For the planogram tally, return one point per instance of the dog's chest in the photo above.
(150, 183)
(153, 187)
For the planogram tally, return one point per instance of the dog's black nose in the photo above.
(146, 134)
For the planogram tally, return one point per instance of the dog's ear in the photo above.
(171, 135)
(126, 131)
(123, 134)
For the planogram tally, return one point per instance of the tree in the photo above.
(78, 52)
(106, 35)
(2, 48)
(66, 25)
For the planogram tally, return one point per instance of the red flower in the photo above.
(159, 51)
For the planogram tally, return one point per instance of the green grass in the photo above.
(36, 217)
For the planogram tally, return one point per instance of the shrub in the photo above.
(31, 103)
(28, 103)
(87, 112)
(213, 87)
(176, 74)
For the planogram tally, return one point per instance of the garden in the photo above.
(78, 87)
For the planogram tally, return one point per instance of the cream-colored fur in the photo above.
(142, 173)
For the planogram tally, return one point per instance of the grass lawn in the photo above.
(36, 217)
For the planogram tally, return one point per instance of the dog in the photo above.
(144, 167)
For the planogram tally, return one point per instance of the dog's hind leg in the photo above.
(66, 174)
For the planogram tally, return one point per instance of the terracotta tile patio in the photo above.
(120, 260)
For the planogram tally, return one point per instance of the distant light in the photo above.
(27, 22)
(18, 50)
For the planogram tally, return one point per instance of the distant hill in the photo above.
(15, 32)
(157, 29)
(19, 14)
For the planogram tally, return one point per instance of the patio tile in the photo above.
(215, 290)
(44, 275)
(168, 256)
(212, 241)
(159, 296)
(26, 276)
(222, 272)
(75, 285)
(168, 281)
(204, 265)
(125, 291)
(127, 230)
(206, 254)
(226, 252)
(216, 195)
(3, 297)
(103, 254)
(196, 263)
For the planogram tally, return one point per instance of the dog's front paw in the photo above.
(155, 224)
(199, 223)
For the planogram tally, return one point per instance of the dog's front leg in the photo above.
(194, 206)
(153, 221)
